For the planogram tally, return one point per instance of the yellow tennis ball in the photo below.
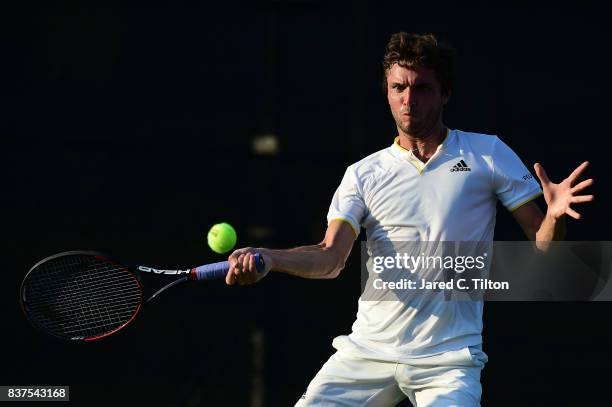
(221, 238)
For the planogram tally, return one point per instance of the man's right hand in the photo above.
(242, 267)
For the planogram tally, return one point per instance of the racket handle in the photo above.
(214, 271)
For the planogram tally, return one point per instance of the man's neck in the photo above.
(423, 147)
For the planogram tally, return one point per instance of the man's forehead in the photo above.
(400, 73)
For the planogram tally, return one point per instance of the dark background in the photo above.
(128, 129)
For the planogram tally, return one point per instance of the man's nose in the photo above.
(408, 97)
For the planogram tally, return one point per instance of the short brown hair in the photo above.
(411, 50)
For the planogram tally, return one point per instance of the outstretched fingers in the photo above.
(541, 174)
(582, 198)
(578, 171)
(572, 213)
(582, 185)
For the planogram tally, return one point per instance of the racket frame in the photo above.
(135, 271)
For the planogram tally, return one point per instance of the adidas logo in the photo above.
(460, 166)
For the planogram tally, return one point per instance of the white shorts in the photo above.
(444, 380)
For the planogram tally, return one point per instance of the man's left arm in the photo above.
(551, 225)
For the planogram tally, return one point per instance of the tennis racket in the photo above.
(87, 296)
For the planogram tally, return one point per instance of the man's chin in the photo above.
(412, 124)
(412, 130)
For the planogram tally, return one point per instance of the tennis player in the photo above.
(432, 184)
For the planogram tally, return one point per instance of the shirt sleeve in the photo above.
(348, 204)
(513, 183)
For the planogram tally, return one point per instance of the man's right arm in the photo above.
(320, 261)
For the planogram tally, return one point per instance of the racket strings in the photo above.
(81, 296)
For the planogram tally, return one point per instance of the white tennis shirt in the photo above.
(452, 197)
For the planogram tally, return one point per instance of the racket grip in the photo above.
(214, 271)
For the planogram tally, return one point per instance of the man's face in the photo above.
(415, 99)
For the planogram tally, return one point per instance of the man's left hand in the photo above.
(560, 196)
